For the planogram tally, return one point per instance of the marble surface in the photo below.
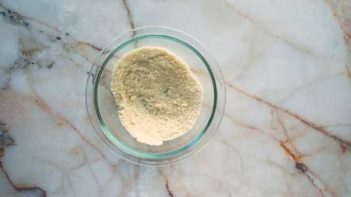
(287, 125)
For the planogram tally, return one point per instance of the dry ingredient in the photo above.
(158, 96)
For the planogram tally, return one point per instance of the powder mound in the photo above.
(158, 96)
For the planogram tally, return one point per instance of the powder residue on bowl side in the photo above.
(158, 96)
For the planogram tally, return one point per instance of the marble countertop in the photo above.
(287, 125)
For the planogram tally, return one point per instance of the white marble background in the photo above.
(287, 127)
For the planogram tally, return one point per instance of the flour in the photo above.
(158, 96)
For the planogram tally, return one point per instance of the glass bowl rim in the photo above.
(131, 151)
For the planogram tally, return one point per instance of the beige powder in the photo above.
(158, 96)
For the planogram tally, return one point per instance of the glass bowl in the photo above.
(103, 111)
